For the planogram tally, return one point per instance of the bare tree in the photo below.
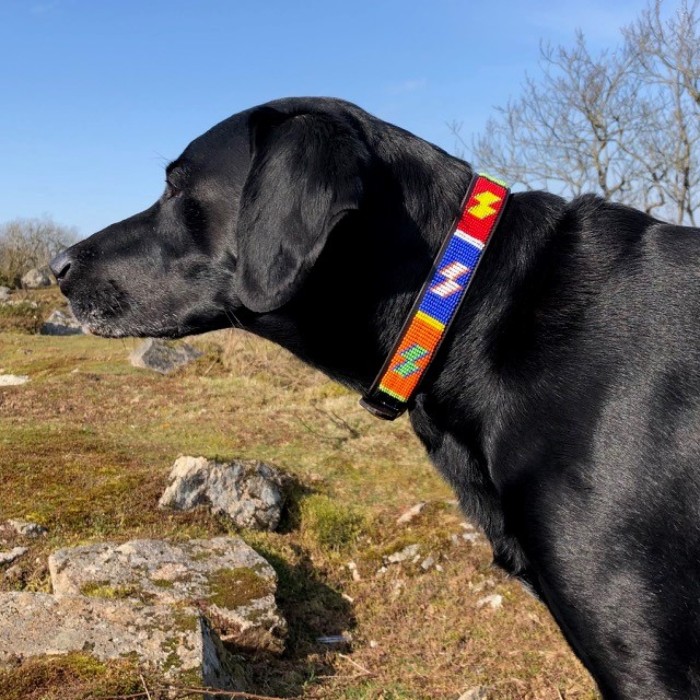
(623, 123)
(30, 243)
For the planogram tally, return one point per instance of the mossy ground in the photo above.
(85, 450)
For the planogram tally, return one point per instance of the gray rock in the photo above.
(406, 553)
(161, 356)
(230, 582)
(4, 294)
(427, 563)
(61, 323)
(36, 278)
(13, 379)
(12, 555)
(250, 493)
(26, 528)
(174, 641)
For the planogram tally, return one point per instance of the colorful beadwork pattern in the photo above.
(439, 299)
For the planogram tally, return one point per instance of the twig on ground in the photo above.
(145, 687)
(365, 671)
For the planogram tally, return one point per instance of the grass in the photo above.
(86, 447)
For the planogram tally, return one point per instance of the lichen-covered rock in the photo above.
(61, 323)
(36, 278)
(230, 582)
(173, 641)
(161, 356)
(250, 493)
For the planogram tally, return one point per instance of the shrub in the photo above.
(29, 243)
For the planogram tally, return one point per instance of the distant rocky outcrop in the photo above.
(251, 494)
(61, 323)
(171, 606)
(36, 278)
(162, 356)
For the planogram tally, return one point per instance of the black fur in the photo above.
(564, 408)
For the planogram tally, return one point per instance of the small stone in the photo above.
(12, 555)
(427, 563)
(61, 323)
(4, 294)
(454, 539)
(36, 278)
(381, 571)
(494, 601)
(13, 379)
(250, 493)
(478, 693)
(373, 644)
(161, 356)
(408, 552)
(354, 572)
(439, 567)
(25, 528)
(410, 514)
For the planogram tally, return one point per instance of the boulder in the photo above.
(250, 493)
(173, 641)
(161, 356)
(232, 585)
(36, 278)
(61, 323)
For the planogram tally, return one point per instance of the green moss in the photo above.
(49, 677)
(231, 588)
(102, 589)
(184, 620)
(162, 582)
(333, 526)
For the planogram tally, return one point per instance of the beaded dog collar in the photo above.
(435, 308)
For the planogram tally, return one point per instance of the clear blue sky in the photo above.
(96, 95)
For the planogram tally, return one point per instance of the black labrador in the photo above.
(564, 406)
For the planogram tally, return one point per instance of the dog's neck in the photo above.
(351, 311)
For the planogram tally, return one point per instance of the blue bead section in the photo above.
(447, 286)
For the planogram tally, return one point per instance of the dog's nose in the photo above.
(60, 266)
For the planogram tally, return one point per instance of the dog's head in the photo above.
(246, 211)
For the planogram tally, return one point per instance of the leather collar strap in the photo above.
(436, 306)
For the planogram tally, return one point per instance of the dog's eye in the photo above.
(170, 190)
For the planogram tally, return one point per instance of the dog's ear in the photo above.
(306, 173)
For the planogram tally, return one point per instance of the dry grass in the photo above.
(85, 450)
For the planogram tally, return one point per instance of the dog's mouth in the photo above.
(110, 312)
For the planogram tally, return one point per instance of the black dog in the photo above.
(564, 407)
